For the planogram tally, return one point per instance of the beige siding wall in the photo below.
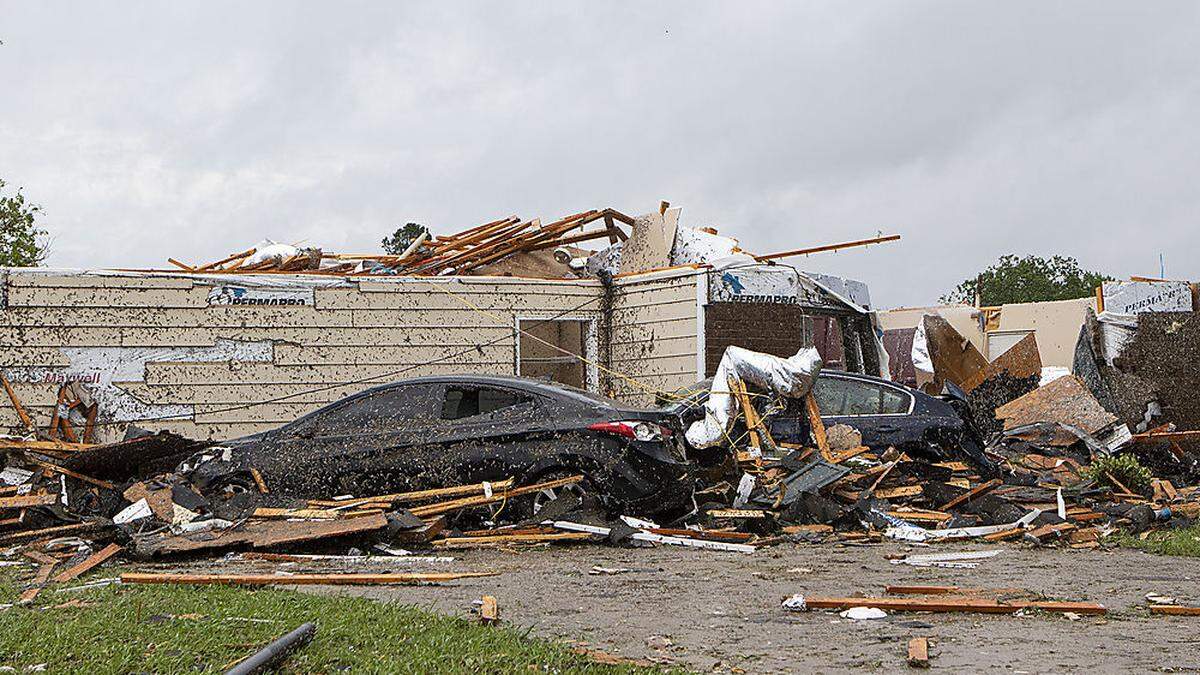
(160, 350)
(654, 335)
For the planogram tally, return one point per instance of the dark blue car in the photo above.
(887, 414)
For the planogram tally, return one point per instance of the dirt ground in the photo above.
(706, 610)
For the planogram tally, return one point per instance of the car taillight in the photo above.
(638, 431)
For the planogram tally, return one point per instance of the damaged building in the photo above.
(260, 338)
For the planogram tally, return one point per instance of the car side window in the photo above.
(830, 395)
(895, 402)
(388, 410)
(845, 396)
(464, 402)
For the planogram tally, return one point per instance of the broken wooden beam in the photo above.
(347, 579)
(418, 495)
(828, 247)
(818, 426)
(84, 566)
(50, 532)
(39, 582)
(972, 493)
(503, 495)
(26, 501)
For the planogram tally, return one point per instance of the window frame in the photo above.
(591, 341)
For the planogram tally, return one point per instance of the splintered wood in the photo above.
(91, 562)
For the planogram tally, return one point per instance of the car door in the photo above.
(338, 446)
(480, 428)
(879, 411)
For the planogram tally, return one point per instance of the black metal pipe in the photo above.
(275, 651)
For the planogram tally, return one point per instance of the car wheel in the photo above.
(539, 500)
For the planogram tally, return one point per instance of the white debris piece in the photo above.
(863, 614)
(962, 560)
(270, 250)
(914, 533)
(136, 511)
(792, 377)
(796, 603)
(14, 476)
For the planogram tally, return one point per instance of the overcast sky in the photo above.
(973, 129)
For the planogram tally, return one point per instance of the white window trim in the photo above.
(591, 341)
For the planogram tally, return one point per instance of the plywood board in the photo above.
(1065, 400)
(650, 241)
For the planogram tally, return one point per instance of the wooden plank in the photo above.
(972, 493)
(92, 561)
(263, 534)
(818, 426)
(1148, 436)
(956, 604)
(26, 501)
(1004, 534)
(828, 247)
(417, 495)
(753, 423)
(902, 491)
(502, 495)
(39, 582)
(258, 481)
(347, 579)
(918, 652)
(67, 472)
(47, 533)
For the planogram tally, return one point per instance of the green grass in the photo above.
(1184, 541)
(180, 629)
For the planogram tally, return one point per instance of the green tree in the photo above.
(22, 244)
(1030, 279)
(403, 237)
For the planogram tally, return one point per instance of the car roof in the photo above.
(528, 384)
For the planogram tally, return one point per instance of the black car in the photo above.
(431, 432)
(887, 414)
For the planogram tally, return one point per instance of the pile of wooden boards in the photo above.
(466, 252)
(1043, 493)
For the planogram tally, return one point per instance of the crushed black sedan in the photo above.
(887, 414)
(434, 432)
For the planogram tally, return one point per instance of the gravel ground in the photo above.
(706, 610)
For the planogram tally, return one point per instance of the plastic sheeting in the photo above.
(269, 250)
(792, 377)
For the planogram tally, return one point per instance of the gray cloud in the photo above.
(974, 129)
